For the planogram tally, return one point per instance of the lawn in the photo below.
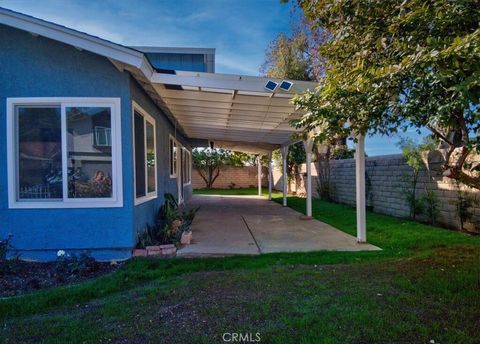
(423, 286)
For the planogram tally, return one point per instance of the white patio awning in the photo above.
(236, 112)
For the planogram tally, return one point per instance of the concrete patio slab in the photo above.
(229, 225)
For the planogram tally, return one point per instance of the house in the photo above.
(88, 149)
(93, 133)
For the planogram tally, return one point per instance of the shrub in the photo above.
(169, 225)
(430, 205)
(5, 246)
(68, 264)
(464, 207)
(6, 265)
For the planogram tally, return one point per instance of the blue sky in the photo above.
(240, 30)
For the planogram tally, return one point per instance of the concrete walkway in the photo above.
(228, 225)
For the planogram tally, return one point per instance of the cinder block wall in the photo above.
(233, 176)
(386, 174)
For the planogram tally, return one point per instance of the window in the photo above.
(103, 136)
(186, 166)
(89, 167)
(173, 157)
(144, 155)
(60, 152)
(39, 147)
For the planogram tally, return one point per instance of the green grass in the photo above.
(423, 285)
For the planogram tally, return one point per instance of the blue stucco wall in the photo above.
(39, 67)
(145, 213)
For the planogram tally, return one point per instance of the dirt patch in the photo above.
(18, 277)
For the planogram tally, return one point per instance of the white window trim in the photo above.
(175, 142)
(116, 201)
(146, 118)
(188, 160)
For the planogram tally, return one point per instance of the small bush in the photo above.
(71, 264)
(5, 246)
(464, 207)
(169, 224)
(430, 206)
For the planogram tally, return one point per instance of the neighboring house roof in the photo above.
(220, 107)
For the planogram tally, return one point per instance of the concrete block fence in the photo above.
(387, 178)
(233, 176)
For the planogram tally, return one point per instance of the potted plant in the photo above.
(187, 217)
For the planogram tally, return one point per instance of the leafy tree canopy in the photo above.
(395, 64)
(208, 161)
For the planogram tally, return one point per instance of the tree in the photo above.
(291, 57)
(295, 157)
(286, 58)
(208, 162)
(397, 64)
(336, 150)
(296, 56)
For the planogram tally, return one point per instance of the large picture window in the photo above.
(64, 152)
(144, 155)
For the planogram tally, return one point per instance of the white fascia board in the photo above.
(77, 39)
(174, 50)
(226, 82)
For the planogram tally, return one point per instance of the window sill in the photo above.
(144, 199)
(65, 205)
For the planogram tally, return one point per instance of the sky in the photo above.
(239, 30)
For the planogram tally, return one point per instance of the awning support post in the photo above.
(360, 189)
(284, 152)
(270, 176)
(259, 174)
(308, 144)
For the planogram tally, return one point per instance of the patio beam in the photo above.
(360, 189)
(308, 144)
(284, 152)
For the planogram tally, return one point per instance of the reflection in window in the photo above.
(89, 152)
(39, 153)
(103, 136)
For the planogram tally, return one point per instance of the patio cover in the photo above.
(235, 112)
